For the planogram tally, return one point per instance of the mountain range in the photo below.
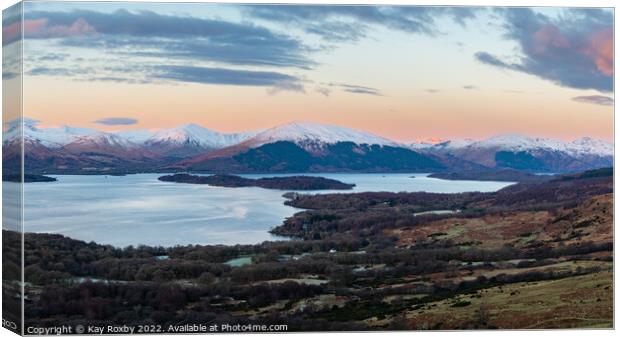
(292, 147)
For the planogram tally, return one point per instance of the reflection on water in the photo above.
(139, 209)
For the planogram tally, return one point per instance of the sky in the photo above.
(403, 72)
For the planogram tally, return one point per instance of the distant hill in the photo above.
(534, 154)
(285, 156)
(493, 175)
(292, 147)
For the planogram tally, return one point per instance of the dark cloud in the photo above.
(7, 75)
(53, 57)
(595, 99)
(470, 87)
(50, 71)
(230, 77)
(147, 33)
(363, 91)
(489, 59)
(117, 121)
(118, 79)
(177, 73)
(285, 53)
(351, 22)
(574, 50)
(357, 89)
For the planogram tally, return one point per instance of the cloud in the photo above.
(163, 48)
(230, 77)
(574, 50)
(601, 51)
(7, 75)
(323, 91)
(116, 121)
(50, 71)
(470, 87)
(489, 59)
(147, 33)
(595, 99)
(351, 22)
(356, 89)
(117, 79)
(40, 28)
(53, 57)
(432, 91)
(161, 74)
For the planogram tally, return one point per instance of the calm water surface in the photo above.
(139, 209)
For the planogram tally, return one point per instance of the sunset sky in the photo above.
(406, 73)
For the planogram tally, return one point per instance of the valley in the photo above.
(531, 255)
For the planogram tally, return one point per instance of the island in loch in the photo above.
(28, 178)
(301, 183)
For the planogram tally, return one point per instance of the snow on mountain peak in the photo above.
(591, 146)
(50, 137)
(442, 144)
(309, 132)
(104, 139)
(199, 136)
(517, 142)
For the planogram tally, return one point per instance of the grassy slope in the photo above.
(575, 302)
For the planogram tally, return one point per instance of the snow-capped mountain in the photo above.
(50, 137)
(590, 146)
(183, 140)
(516, 142)
(103, 139)
(138, 136)
(307, 134)
(533, 153)
(310, 136)
(198, 136)
(330, 147)
(102, 144)
(312, 147)
(441, 145)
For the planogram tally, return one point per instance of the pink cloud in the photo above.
(79, 27)
(598, 46)
(11, 32)
(549, 36)
(601, 50)
(39, 28)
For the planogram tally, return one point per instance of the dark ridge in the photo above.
(500, 175)
(28, 178)
(598, 173)
(305, 183)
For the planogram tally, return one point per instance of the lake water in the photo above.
(139, 209)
